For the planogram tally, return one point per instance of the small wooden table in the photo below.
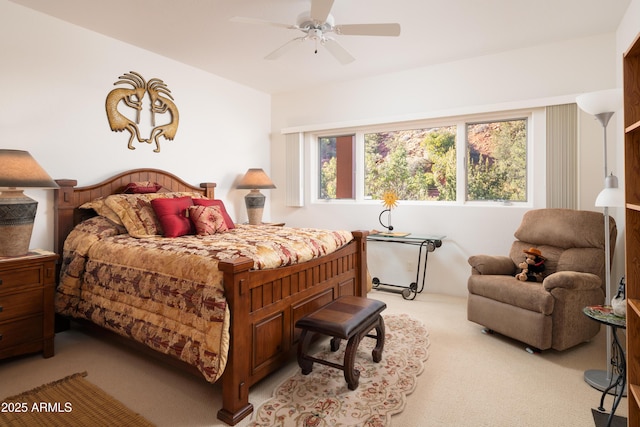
(26, 304)
(350, 318)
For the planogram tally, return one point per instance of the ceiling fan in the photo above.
(317, 24)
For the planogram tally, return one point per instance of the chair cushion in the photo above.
(343, 317)
(563, 228)
(509, 290)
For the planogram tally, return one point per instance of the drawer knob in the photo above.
(0, 309)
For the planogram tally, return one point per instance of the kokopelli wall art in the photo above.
(145, 110)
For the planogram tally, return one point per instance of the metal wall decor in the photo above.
(125, 105)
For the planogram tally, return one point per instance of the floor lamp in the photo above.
(602, 105)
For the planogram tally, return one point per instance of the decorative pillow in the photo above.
(173, 215)
(141, 187)
(136, 213)
(99, 206)
(216, 202)
(207, 220)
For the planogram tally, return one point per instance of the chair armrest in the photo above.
(491, 264)
(571, 280)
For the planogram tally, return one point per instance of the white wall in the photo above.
(529, 77)
(628, 31)
(54, 80)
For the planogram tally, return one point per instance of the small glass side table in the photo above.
(604, 314)
(426, 243)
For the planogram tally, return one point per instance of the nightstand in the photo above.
(26, 304)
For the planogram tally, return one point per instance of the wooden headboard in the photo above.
(68, 198)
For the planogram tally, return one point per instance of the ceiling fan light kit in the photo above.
(317, 23)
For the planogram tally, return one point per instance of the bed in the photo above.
(250, 316)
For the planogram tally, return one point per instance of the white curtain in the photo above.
(562, 156)
(295, 169)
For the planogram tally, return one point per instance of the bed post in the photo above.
(361, 261)
(235, 379)
(63, 212)
(209, 189)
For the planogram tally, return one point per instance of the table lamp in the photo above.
(255, 180)
(18, 170)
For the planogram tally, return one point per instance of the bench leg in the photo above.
(376, 354)
(303, 346)
(351, 374)
(335, 344)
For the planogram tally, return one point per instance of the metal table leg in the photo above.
(410, 292)
(618, 360)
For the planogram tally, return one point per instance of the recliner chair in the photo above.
(546, 314)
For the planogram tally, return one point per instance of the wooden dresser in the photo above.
(26, 304)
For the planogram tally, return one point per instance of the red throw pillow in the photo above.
(216, 202)
(172, 214)
(141, 187)
(207, 220)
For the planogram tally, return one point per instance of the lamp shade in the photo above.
(611, 196)
(603, 101)
(255, 178)
(19, 170)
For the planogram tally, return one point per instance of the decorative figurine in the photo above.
(390, 201)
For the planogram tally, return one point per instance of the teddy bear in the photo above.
(532, 266)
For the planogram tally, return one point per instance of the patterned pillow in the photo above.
(141, 187)
(223, 210)
(99, 206)
(137, 214)
(207, 220)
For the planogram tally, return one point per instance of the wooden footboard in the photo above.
(265, 306)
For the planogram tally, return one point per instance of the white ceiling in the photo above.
(199, 32)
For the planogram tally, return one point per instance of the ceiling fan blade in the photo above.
(338, 51)
(284, 48)
(320, 10)
(244, 20)
(368, 29)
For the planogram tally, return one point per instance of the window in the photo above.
(497, 160)
(425, 163)
(337, 167)
(417, 164)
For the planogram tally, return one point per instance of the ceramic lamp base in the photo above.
(255, 206)
(17, 213)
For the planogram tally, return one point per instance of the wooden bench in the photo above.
(350, 318)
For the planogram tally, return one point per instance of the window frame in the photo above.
(535, 138)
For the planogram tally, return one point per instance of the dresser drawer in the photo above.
(22, 304)
(21, 331)
(10, 279)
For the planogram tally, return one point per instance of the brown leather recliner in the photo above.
(548, 313)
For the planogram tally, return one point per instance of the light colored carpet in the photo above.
(470, 379)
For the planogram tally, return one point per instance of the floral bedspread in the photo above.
(167, 292)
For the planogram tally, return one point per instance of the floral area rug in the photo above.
(322, 399)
